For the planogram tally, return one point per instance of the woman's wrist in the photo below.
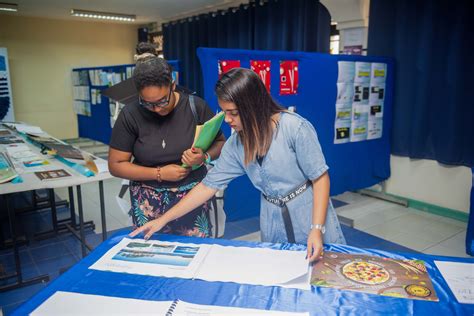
(207, 158)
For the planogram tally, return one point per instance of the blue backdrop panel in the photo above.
(352, 165)
(97, 126)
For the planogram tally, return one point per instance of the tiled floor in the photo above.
(377, 224)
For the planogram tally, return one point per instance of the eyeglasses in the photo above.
(231, 112)
(160, 103)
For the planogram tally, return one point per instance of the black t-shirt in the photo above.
(142, 132)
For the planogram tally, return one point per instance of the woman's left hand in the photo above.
(315, 245)
(193, 157)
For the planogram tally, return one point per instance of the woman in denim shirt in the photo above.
(280, 153)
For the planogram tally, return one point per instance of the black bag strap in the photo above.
(193, 109)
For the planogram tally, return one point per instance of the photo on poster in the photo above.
(378, 73)
(377, 93)
(375, 128)
(345, 93)
(226, 65)
(362, 72)
(360, 113)
(343, 113)
(157, 254)
(289, 76)
(262, 69)
(376, 110)
(342, 132)
(346, 71)
(361, 93)
(358, 131)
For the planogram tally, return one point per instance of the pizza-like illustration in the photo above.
(365, 272)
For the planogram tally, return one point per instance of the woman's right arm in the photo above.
(120, 165)
(196, 197)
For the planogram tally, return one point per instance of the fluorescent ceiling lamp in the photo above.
(11, 7)
(103, 15)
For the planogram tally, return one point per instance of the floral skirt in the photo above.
(149, 203)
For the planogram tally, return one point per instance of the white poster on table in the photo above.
(69, 303)
(460, 279)
(269, 267)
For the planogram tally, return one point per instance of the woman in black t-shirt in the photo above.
(158, 133)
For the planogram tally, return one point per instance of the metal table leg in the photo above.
(54, 214)
(102, 210)
(16, 253)
(81, 220)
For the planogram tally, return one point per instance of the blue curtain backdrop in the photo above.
(432, 43)
(296, 25)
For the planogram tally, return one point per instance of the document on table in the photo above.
(68, 303)
(153, 257)
(256, 266)
(460, 279)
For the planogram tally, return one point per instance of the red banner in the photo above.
(288, 77)
(262, 69)
(226, 65)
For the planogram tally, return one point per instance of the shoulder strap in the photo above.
(193, 109)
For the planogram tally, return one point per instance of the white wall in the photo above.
(42, 53)
(418, 179)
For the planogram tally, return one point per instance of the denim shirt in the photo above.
(294, 157)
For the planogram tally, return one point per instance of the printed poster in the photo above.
(345, 92)
(378, 73)
(361, 92)
(342, 132)
(362, 72)
(375, 127)
(358, 131)
(289, 77)
(226, 65)
(346, 71)
(375, 275)
(262, 69)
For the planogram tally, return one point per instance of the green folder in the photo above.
(206, 133)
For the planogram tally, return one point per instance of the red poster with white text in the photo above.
(226, 65)
(262, 69)
(288, 77)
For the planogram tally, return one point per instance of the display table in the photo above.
(318, 301)
(30, 182)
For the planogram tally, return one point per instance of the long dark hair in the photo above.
(245, 89)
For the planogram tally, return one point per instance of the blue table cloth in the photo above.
(318, 301)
